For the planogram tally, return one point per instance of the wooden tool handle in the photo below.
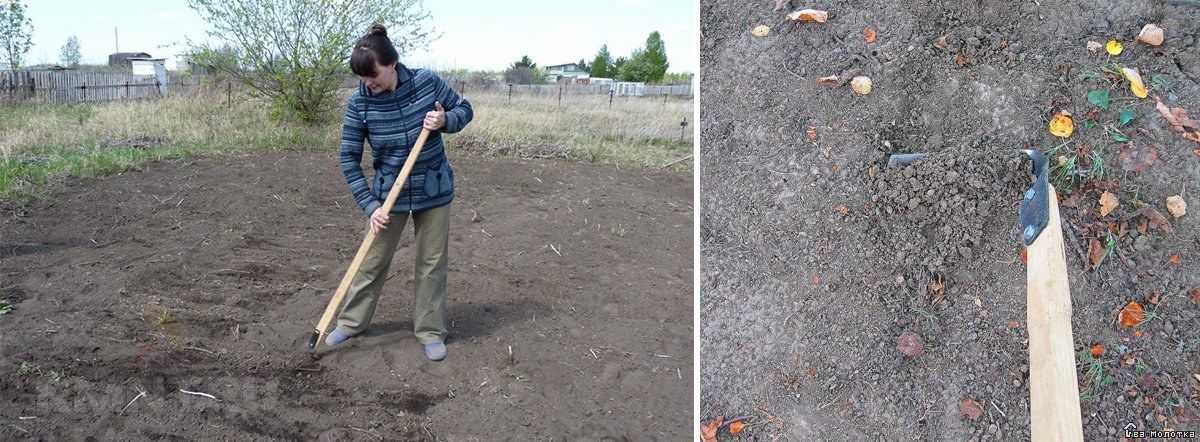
(340, 294)
(1053, 386)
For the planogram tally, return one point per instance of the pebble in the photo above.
(992, 429)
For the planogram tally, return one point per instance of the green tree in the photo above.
(614, 70)
(602, 64)
(584, 66)
(647, 64)
(16, 32)
(294, 52)
(70, 52)
(524, 62)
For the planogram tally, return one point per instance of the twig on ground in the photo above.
(675, 162)
(19, 428)
(555, 249)
(485, 233)
(998, 409)
(200, 394)
(366, 431)
(200, 350)
(1070, 229)
(135, 398)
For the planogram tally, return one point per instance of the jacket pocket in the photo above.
(439, 180)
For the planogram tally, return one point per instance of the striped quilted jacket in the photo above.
(391, 122)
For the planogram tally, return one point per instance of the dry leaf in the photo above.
(831, 81)
(970, 408)
(937, 290)
(708, 433)
(1114, 47)
(1178, 117)
(910, 344)
(1131, 315)
(1108, 202)
(1013, 324)
(761, 31)
(1158, 221)
(869, 35)
(816, 279)
(1195, 292)
(1097, 350)
(1151, 34)
(1175, 259)
(1176, 206)
(843, 209)
(960, 61)
(1136, 85)
(779, 4)
(1025, 255)
(1095, 46)
(861, 84)
(941, 43)
(1154, 298)
(1095, 253)
(737, 427)
(1137, 159)
(1061, 125)
(809, 14)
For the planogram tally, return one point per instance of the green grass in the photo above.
(27, 368)
(41, 146)
(1093, 377)
(164, 318)
(618, 231)
(60, 375)
(4, 307)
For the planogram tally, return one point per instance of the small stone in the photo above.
(992, 429)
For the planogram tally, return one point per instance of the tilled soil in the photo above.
(568, 307)
(816, 256)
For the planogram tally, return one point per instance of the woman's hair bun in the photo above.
(378, 29)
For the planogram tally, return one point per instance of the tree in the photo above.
(602, 64)
(647, 64)
(16, 32)
(524, 62)
(584, 66)
(70, 52)
(294, 52)
(615, 69)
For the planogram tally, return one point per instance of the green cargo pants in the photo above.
(432, 233)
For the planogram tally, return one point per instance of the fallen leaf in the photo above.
(937, 290)
(1147, 381)
(941, 43)
(970, 408)
(1013, 324)
(1179, 120)
(1136, 85)
(1095, 253)
(1176, 206)
(1095, 46)
(843, 209)
(809, 14)
(1138, 334)
(869, 35)
(1131, 315)
(1061, 125)
(1141, 227)
(708, 433)
(960, 61)
(816, 279)
(1195, 292)
(779, 4)
(1108, 202)
(1114, 47)
(1175, 259)
(761, 31)
(1097, 350)
(831, 81)
(1151, 34)
(910, 344)
(1158, 221)
(861, 84)
(737, 427)
(1025, 256)
(1137, 159)
(1154, 298)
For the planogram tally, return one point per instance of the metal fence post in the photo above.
(611, 93)
(560, 89)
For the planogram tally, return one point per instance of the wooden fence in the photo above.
(63, 87)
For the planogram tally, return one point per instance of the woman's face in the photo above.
(384, 79)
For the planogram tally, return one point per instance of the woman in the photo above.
(393, 103)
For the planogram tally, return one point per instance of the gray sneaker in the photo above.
(435, 351)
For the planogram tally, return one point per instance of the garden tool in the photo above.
(340, 294)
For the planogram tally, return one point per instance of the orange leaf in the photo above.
(1175, 259)
(1025, 256)
(737, 427)
(869, 35)
(1138, 334)
(970, 408)
(831, 81)
(843, 209)
(1195, 292)
(708, 433)
(1097, 350)
(959, 60)
(1013, 324)
(1108, 202)
(809, 14)
(1061, 125)
(1095, 253)
(1131, 315)
(816, 279)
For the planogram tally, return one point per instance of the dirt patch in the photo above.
(207, 275)
(816, 256)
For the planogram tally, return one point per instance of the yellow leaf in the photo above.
(1176, 206)
(1114, 47)
(809, 14)
(1108, 202)
(1136, 85)
(1061, 125)
(761, 31)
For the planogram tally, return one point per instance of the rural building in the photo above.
(569, 73)
(155, 67)
(117, 59)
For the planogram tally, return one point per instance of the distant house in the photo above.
(566, 73)
(155, 67)
(118, 59)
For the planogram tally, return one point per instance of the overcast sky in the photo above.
(474, 34)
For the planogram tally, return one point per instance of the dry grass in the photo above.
(42, 144)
